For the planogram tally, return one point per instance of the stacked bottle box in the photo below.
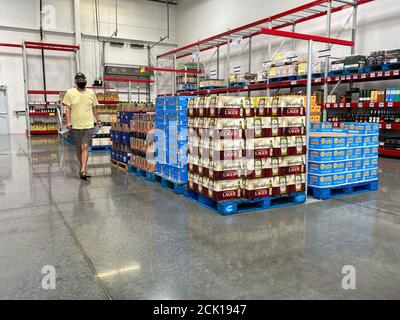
(343, 156)
(247, 148)
(120, 135)
(171, 138)
(142, 142)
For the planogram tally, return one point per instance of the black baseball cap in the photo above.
(79, 76)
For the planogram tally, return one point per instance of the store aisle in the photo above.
(120, 237)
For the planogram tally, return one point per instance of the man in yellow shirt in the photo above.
(81, 115)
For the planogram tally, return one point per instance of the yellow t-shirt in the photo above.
(81, 103)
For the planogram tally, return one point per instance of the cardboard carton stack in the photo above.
(121, 132)
(171, 138)
(246, 148)
(142, 142)
(343, 156)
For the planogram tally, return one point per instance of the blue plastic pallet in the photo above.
(244, 205)
(344, 72)
(177, 187)
(343, 191)
(237, 84)
(99, 148)
(149, 176)
(211, 88)
(280, 79)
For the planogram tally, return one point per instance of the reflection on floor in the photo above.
(122, 238)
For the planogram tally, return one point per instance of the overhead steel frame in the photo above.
(292, 17)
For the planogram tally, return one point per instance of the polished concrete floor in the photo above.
(119, 237)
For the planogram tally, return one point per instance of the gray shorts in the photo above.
(81, 136)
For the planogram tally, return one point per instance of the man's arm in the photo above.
(68, 115)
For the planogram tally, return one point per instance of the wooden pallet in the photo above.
(119, 165)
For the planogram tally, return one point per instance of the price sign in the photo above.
(390, 104)
(387, 74)
(372, 75)
(388, 126)
(372, 105)
(343, 78)
(380, 74)
(335, 105)
(318, 80)
(355, 76)
(360, 105)
(348, 105)
(341, 105)
(337, 78)
(363, 76)
(348, 77)
(396, 72)
(381, 105)
(293, 83)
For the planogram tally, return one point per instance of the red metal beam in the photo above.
(12, 45)
(44, 44)
(173, 70)
(50, 48)
(129, 80)
(50, 92)
(303, 36)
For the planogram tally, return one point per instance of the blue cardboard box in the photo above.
(370, 152)
(339, 142)
(321, 143)
(320, 167)
(339, 154)
(321, 127)
(355, 141)
(354, 153)
(371, 140)
(320, 155)
(339, 179)
(370, 163)
(339, 166)
(320, 180)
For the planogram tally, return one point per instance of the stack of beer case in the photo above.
(343, 156)
(142, 142)
(247, 148)
(171, 138)
(120, 134)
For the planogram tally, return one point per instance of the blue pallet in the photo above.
(211, 88)
(244, 205)
(372, 68)
(344, 72)
(99, 148)
(391, 66)
(149, 176)
(175, 186)
(342, 191)
(237, 84)
(314, 76)
(280, 79)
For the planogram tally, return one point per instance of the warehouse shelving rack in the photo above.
(41, 46)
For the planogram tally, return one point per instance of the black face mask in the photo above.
(81, 85)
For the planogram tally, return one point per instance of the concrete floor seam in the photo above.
(75, 239)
